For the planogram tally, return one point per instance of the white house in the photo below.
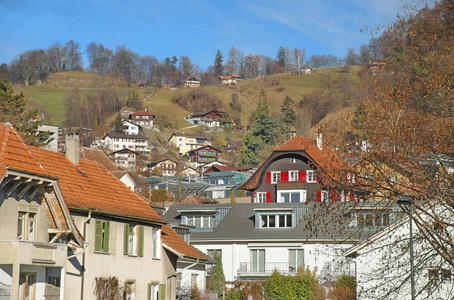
(131, 128)
(187, 142)
(118, 141)
(253, 239)
(67, 226)
(124, 158)
(383, 260)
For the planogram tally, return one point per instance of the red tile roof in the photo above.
(90, 186)
(173, 240)
(87, 186)
(141, 113)
(15, 154)
(194, 199)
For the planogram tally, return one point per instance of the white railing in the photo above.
(250, 269)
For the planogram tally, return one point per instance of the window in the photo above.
(130, 290)
(133, 240)
(258, 260)
(156, 243)
(194, 280)
(261, 197)
(275, 177)
(296, 259)
(201, 221)
(292, 175)
(289, 196)
(310, 176)
(102, 232)
(276, 220)
(372, 219)
(293, 160)
(26, 227)
(152, 291)
(211, 252)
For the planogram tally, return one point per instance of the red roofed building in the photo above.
(67, 224)
(301, 170)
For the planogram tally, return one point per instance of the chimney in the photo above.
(319, 140)
(72, 148)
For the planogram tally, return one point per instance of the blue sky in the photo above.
(193, 28)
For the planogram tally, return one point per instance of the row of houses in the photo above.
(71, 230)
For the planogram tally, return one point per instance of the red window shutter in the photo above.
(352, 198)
(333, 196)
(268, 197)
(302, 176)
(316, 178)
(284, 176)
(268, 177)
(253, 197)
(319, 196)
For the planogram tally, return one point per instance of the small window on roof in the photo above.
(293, 160)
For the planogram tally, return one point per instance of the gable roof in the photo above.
(197, 136)
(207, 112)
(326, 161)
(15, 154)
(90, 186)
(202, 147)
(141, 113)
(101, 158)
(127, 136)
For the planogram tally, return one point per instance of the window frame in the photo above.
(293, 175)
(156, 242)
(276, 217)
(275, 176)
(258, 260)
(26, 226)
(295, 260)
(102, 236)
(302, 196)
(311, 176)
(259, 196)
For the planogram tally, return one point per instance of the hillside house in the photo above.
(68, 224)
(119, 141)
(131, 128)
(166, 166)
(190, 82)
(230, 80)
(203, 155)
(142, 118)
(187, 142)
(301, 170)
(209, 118)
(124, 158)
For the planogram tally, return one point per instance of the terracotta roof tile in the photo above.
(194, 199)
(174, 241)
(14, 153)
(141, 113)
(90, 186)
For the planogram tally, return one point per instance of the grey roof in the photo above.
(128, 136)
(317, 221)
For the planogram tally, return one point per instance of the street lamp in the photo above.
(409, 201)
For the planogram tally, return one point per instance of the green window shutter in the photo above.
(292, 260)
(254, 260)
(300, 257)
(262, 260)
(125, 289)
(126, 240)
(149, 291)
(98, 235)
(140, 240)
(162, 291)
(105, 242)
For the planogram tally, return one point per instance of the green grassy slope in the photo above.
(50, 95)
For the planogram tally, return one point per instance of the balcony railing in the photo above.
(265, 269)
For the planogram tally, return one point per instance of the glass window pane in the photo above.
(264, 221)
(198, 222)
(206, 222)
(272, 221)
(289, 220)
(295, 197)
(282, 220)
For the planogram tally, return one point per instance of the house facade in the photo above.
(119, 141)
(190, 82)
(254, 239)
(68, 227)
(210, 118)
(142, 118)
(230, 80)
(131, 128)
(301, 170)
(203, 155)
(383, 260)
(166, 167)
(187, 142)
(124, 158)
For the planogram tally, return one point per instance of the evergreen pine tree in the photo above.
(288, 113)
(118, 126)
(216, 281)
(218, 63)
